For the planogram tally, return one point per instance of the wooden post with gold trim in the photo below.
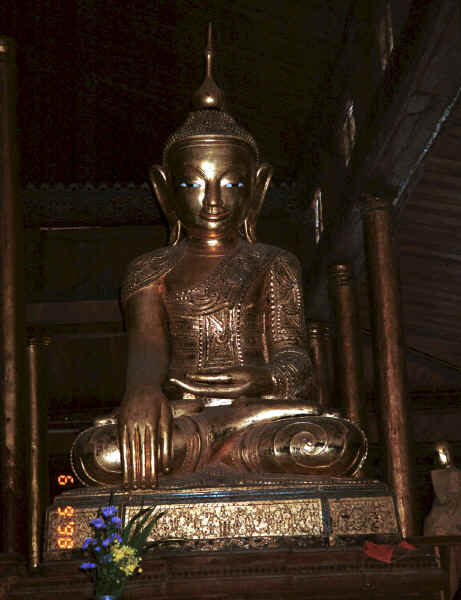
(388, 349)
(13, 488)
(319, 337)
(38, 450)
(348, 343)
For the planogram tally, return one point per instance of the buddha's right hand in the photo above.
(145, 437)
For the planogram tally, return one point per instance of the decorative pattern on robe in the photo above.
(248, 311)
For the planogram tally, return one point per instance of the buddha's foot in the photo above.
(314, 446)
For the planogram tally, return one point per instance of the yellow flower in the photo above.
(126, 558)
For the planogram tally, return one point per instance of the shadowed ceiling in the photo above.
(102, 84)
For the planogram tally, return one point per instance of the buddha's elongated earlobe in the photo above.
(262, 180)
(160, 184)
(249, 232)
(175, 233)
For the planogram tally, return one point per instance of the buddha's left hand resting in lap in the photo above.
(218, 368)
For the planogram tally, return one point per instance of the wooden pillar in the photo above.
(13, 489)
(388, 350)
(38, 448)
(348, 343)
(320, 346)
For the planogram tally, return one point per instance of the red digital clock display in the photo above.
(66, 529)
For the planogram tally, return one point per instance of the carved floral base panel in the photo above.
(268, 513)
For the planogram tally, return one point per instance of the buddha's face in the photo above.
(211, 185)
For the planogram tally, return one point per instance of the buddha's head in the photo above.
(211, 183)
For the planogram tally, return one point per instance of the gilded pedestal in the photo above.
(216, 511)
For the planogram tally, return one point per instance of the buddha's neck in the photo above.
(212, 246)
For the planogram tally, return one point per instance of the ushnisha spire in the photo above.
(208, 116)
(208, 95)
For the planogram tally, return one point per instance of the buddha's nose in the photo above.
(212, 201)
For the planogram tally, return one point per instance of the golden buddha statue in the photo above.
(218, 373)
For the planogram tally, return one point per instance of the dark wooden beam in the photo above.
(85, 206)
(83, 318)
(256, 575)
(64, 206)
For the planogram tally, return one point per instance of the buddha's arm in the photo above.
(145, 417)
(286, 338)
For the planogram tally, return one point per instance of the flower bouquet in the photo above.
(115, 554)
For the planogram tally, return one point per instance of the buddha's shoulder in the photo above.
(150, 267)
(274, 256)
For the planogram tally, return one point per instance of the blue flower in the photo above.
(109, 511)
(87, 542)
(107, 541)
(97, 549)
(98, 523)
(88, 565)
(116, 536)
(116, 521)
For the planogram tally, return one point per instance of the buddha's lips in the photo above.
(208, 216)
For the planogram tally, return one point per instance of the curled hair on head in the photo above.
(209, 122)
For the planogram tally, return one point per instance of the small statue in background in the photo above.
(445, 515)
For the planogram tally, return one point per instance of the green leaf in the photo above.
(140, 526)
(132, 521)
(145, 532)
(145, 523)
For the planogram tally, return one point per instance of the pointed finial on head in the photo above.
(208, 95)
(209, 48)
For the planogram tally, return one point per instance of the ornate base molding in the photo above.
(253, 512)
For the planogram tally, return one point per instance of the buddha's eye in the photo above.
(189, 184)
(239, 184)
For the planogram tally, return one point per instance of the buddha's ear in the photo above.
(262, 180)
(160, 184)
